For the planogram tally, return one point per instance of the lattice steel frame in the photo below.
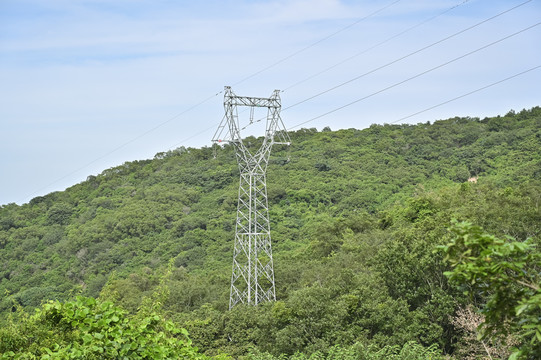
(252, 280)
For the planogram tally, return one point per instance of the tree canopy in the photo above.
(356, 217)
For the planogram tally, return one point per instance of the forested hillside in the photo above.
(357, 217)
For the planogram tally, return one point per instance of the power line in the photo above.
(315, 43)
(375, 46)
(416, 76)
(306, 48)
(211, 97)
(125, 144)
(397, 60)
(405, 56)
(467, 94)
(194, 135)
(268, 67)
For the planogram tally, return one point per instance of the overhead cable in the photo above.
(374, 46)
(402, 58)
(209, 98)
(123, 145)
(418, 75)
(315, 43)
(405, 56)
(467, 94)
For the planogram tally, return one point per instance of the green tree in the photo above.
(91, 329)
(505, 275)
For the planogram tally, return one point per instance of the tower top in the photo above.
(229, 129)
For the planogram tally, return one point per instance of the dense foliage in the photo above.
(507, 274)
(90, 329)
(356, 216)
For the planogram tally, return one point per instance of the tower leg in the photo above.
(252, 279)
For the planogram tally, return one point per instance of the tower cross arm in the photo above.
(254, 101)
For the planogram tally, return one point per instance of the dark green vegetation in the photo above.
(502, 272)
(357, 217)
(90, 329)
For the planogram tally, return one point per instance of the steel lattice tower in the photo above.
(252, 280)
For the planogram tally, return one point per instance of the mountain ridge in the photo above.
(347, 208)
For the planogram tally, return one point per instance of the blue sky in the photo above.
(87, 85)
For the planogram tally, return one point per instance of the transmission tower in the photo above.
(252, 279)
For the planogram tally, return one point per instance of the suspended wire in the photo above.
(193, 136)
(124, 144)
(466, 94)
(315, 43)
(374, 46)
(208, 99)
(306, 48)
(405, 56)
(284, 59)
(402, 58)
(361, 53)
(252, 121)
(418, 75)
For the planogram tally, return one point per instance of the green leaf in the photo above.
(519, 309)
(87, 338)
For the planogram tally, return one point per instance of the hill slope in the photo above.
(355, 217)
